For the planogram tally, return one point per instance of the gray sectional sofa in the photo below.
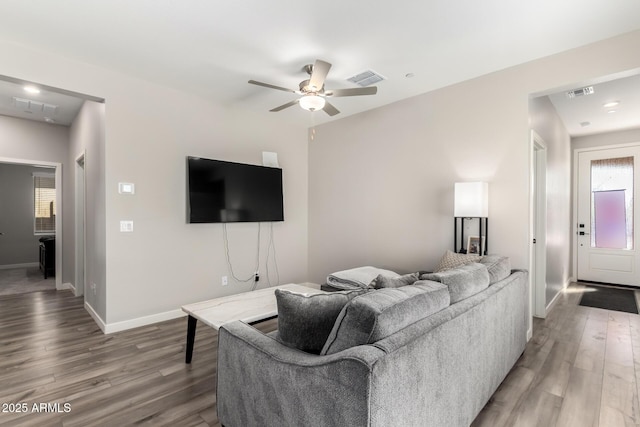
(414, 362)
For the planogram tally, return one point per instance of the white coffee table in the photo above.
(250, 307)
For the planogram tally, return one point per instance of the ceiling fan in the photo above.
(313, 92)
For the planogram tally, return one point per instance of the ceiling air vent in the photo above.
(29, 106)
(580, 92)
(366, 78)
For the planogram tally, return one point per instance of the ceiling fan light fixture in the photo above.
(312, 102)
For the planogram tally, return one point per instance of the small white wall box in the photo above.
(126, 188)
(270, 159)
(126, 226)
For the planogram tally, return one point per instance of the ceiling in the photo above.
(213, 48)
(48, 105)
(592, 114)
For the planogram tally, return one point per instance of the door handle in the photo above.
(582, 233)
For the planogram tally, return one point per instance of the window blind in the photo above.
(44, 204)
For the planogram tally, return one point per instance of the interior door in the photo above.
(607, 239)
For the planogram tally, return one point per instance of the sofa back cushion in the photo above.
(499, 267)
(305, 321)
(463, 281)
(375, 315)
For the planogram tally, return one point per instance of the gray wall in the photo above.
(388, 200)
(626, 136)
(546, 122)
(374, 188)
(35, 141)
(18, 244)
(149, 129)
(87, 136)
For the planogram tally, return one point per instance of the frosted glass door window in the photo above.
(612, 203)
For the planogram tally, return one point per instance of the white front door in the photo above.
(608, 185)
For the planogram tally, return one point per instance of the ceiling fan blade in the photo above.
(283, 106)
(370, 90)
(330, 109)
(253, 82)
(319, 74)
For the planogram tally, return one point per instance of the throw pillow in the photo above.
(452, 260)
(393, 282)
(305, 321)
(375, 315)
(499, 267)
(463, 281)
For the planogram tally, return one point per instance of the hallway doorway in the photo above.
(24, 237)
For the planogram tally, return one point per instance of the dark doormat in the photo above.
(609, 299)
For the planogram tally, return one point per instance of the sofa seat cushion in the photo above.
(375, 315)
(463, 281)
(499, 267)
(305, 321)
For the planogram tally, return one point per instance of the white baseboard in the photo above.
(95, 317)
(109, 328)
(25, 265)
(67, 285)
(143, 321)
(553, 302)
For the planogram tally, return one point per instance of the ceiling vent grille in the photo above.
(29, 106)
(580, 92)
(366, 78)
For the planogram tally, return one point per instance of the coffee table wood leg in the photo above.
(191, 337)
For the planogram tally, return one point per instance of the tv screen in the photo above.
(219, 191)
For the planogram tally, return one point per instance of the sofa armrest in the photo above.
(261, 382)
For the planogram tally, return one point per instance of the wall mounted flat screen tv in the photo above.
(219, 191)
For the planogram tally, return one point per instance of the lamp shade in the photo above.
(471, 199)
(312, 102)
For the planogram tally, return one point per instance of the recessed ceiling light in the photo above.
(31, 89)
(611, 104)
(612, 111)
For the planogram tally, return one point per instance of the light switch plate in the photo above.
(126, 188)
(126, 226)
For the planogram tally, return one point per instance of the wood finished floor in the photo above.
(581, 368)
(51, 351)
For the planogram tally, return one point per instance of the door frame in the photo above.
(58, 173)
(80, 218)
(574, 216)
(538, 226)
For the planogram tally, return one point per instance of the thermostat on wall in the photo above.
(126, 188)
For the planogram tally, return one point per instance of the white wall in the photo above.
(626, 136)
(18, 243)
(149, 130)
(546, 122)
(381, 182)
(22, 139)
(87, 136)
